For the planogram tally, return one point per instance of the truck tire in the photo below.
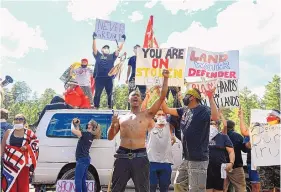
(69, 175)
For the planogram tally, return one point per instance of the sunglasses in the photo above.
(19, 119)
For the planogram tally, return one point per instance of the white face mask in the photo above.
(213, 132)
(18, 126)
(106, 51)
(161, 120)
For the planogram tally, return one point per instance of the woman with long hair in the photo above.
(20, 151)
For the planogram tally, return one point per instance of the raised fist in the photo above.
(94, 35)
(76, 121)
(115, 120)
(124, 37)
(166, 73)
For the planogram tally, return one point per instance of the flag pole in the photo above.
(152, 31)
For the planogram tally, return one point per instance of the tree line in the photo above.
(21, 99)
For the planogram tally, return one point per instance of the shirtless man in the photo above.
(131, 157)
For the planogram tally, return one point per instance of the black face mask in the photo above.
(83, 66)
(186, 100)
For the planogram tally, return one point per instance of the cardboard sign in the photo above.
(151, 62)
(226, 93)
(69, 186)
(214, 65)
(109, 30)
(265, 140)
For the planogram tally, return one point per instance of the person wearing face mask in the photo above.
(159, 151)
(131, 73)
(83, 78)
(104, 63)
(82, 154)
(195, 126)
(219, 144)
(20, 151)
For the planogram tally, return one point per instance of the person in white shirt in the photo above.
(83, 78)
(159, 150)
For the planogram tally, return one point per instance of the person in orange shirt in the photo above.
(75, 96)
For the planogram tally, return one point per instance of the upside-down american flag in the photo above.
(15, 159)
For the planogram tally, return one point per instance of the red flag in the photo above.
(149, 39)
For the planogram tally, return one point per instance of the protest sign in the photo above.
(151, 62)
(226, 93)
(109, 30)
(212, 64)
(69, 186)
(265, 140)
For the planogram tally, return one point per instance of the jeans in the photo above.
(81, 170)
(160, 173)
(100, 84)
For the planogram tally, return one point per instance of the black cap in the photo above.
(136, 46)
(106, 46)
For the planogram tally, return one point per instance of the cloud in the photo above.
(185, 5)
(136, 16)
(17, 38)
(91, 9)
(255, 24)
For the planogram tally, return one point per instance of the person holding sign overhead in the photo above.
(104, 63)
(131, 157)
(195, 126)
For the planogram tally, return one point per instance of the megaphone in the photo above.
(7, 81)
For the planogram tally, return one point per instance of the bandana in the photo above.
(194, 93)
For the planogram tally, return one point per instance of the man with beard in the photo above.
(131, 157)
(104, 63)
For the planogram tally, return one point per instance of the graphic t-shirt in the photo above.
(83, 76)
(217, 147)
(84, 145)
(132, 62)
(104, 63)
(195, 126)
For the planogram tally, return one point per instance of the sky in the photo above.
(40, 39)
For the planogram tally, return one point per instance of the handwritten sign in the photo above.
(109, 30)
(212, 64)
(265, 139)
(226, 94)
(69, 186)
(151, 62)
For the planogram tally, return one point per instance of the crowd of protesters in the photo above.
(212, 156)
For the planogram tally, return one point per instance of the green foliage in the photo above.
(272, 94)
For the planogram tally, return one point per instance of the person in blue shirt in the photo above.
(3, 122)
(131, 74)
(195, 126)
(104, 63)
(82, 154)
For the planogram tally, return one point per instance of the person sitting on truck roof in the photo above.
(83, 159)
(131, 157)
(75, 96)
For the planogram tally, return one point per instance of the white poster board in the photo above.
(151, 62)
(213, 65)
(69, 186)
(265, 140)
(109, 30)
(226, 93)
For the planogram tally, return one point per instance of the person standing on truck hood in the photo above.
(82, 154)
(20, 153)
(131, 157)
(195, 126)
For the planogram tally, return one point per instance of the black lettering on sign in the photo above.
(227, 86)
(175, 53)
(230, 101)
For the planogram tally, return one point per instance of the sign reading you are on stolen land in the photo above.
(109, 30)
(226, 93)
(69, 186)
(265, 140)
(212, 64)
(151, 62)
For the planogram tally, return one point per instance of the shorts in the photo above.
(253, 175)
(214, 180)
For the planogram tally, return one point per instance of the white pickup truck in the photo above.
(57, 148)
